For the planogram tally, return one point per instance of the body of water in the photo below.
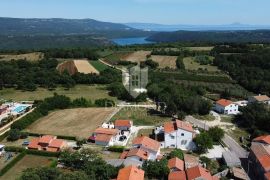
(131, 41)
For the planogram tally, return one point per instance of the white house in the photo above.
(259, 99)
(177, 134)
(225, 106)
(143, 148)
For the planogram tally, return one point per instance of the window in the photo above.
(172, 137)
(135, 80)
(172, 145)
(182, 134)
(183, 142)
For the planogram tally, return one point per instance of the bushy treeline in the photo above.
(26, 75)
(90, 54)
(256, 118)
(177, 99)
(251, 70)
(181, 52)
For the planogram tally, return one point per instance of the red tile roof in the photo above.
(138, 152)
(103, 137)
(130, 173)
(264, 139)
(177, 175)
(261, 98)
(123, 155)
(173, 126)
(267, 176)
(224, 102)
(125, 123)
(262, 153)
(198, 172)
(147, 143)
(106, 131)
(34, 144)
(46, 139)
(176, 163)
(57, 143)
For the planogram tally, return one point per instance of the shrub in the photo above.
(14, 134)
(116, 148)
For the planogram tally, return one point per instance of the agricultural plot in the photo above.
(79, 122)
(165, 61)
(137, 56)
(203, 48)
(28, 161)
(140, 116)
(88, 92)
(29, 56)
(191, 64)
(99, 65)
(81, 66)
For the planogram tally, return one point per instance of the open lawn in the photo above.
(191, 64)
(28, 161)
(79, 122)
(165, 61)
(29, 56)
(140, 116)
(89, 92)
(98, 65)
(206, 48)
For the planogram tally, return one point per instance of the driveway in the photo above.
(227, 140)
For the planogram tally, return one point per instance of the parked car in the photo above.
(122, 138)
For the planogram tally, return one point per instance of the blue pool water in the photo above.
(19, 109)
(131, 41)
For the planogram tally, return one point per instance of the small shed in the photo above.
(231, 159)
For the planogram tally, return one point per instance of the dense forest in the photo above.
(256, 36)
(26, 75)
(250, 69)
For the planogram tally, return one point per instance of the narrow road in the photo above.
(229, 141)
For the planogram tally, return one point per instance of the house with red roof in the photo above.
(225, 106)
(177, 134)
(123, 125)
(47, 143)
(104, 136)
(199, 172)
(143, 148)
(264, 99)
(176, 164)
(130, 173)
(260, 156)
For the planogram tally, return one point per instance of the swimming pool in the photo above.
(19, 108)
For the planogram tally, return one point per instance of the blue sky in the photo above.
(154, 11)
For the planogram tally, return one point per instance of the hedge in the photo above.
(73, 138)
(116, 148)
(25, 121)
(12, 163)
(30, 151)
(3, 136)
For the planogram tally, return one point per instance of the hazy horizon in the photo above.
(168, 12)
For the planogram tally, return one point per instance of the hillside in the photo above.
(16, 33)
(256, 36)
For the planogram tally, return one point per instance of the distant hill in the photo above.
(16, 33)
(178, 27)
(256, 36)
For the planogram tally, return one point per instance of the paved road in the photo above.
(229, 141)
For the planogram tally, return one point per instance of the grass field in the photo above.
(206, 48)
(28, 161)
(191, 64)
(165, 61)
(79, 122)
(98, 65)
(29, 56)
(89, 92)
(140, 116)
